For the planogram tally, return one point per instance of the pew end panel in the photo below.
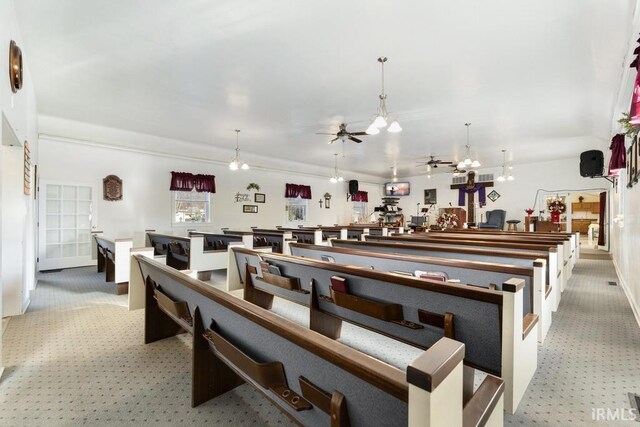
(136, 282)
(543, 299)
(519, 345)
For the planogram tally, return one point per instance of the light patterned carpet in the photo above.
(77, 357)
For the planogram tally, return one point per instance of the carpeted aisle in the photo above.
(78, 357)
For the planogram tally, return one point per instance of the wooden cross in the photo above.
(471, 182)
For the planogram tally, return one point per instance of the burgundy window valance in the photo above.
(295, 190)
(618, 155)
(184, 181)
(360, 196)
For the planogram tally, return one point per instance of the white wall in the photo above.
(17, 249)
(146, 177)
(515, 196)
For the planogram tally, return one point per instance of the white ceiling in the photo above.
(538, 78)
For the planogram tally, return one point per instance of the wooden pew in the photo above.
(113, 258)
(554, 250)
(574, 247)
(504, 256)
(475, 273)
(217, 241)
(566, 240)
(310, 377)
(562, 243)
(276, 238)
(497, 338)
(306, 235)
(188, 253)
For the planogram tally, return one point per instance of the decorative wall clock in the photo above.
(15, 67)
(112, 188)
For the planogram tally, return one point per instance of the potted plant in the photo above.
(253, 186)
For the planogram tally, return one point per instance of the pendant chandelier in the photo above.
(506, 174)
(235, 163)
(336, 176)
(468, 162)
(381, 118)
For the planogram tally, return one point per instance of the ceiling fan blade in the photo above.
(355, 139)
(325, 133)
(358, 133)
(333, 140)
(445, 163)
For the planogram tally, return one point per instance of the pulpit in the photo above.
(459, 212)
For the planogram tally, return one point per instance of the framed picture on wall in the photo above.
(250, 208)
(259, 198)
(430, 196)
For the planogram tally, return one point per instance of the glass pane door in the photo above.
(65, 225)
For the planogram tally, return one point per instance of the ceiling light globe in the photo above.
(461, 165)
(244, 167)
(379, 122)
(467, 161)
(233, 166)
(501, 178)
(333, 180)
(394, 127)
(475, 164)
(510, 178)
(340, 179)
(372, 130)
(428, 176)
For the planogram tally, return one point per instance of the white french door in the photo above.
(67, 212)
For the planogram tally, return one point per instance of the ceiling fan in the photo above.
(343, 134)
(433, 162)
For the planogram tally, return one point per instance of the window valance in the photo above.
(360, 196)
(295, 190)
(184, 181)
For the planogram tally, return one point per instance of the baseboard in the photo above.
(25, 305)
(632, 303)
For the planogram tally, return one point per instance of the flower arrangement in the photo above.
(529, 211)
(447, 220)
(253, 186)
(557, 206)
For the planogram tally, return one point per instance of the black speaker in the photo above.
(353, 186)
(591, 163)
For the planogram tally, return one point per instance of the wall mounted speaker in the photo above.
(591, 163)
(353, 187)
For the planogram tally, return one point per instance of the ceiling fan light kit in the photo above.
(336, 176)
(235, 163)
(506, 174)
(381, 118)
(468, 162)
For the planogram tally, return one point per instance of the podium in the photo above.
(459, 212)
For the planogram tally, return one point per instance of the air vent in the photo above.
(484, 177)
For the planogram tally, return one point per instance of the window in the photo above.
(191, 207)
(296, 210)
(359, 211)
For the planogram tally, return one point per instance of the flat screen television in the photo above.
(397, 189)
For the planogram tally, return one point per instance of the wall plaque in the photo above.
(112, 188)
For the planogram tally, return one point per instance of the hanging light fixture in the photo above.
(468, 162)
(235, 163)
(336, 176)
(381, 118)
(506, 174)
